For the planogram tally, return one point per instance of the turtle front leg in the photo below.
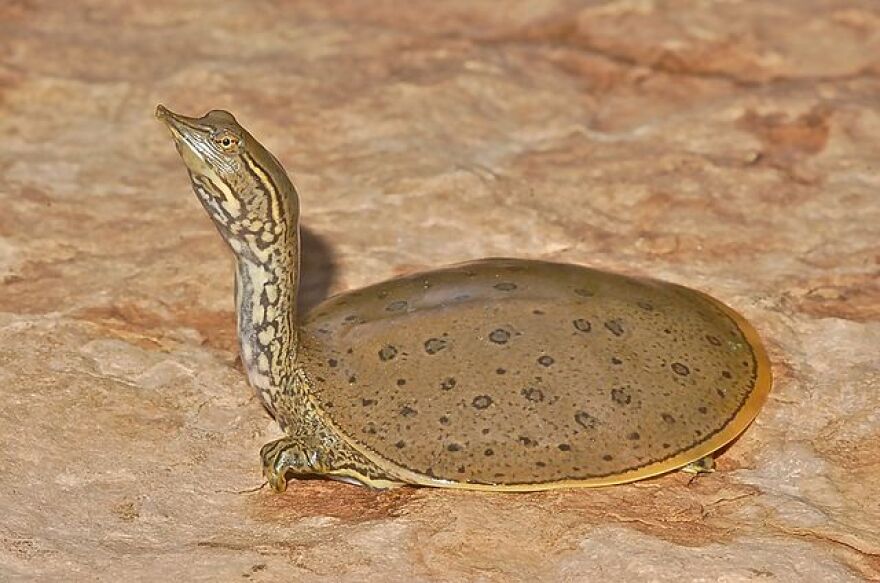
(310, 456)
(300, 456)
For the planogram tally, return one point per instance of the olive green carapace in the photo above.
(499, 374)
(527, 372)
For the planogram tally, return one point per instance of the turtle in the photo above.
(499, 374)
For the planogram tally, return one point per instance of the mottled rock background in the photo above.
(730, 145)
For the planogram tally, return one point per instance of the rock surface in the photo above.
(732, 146)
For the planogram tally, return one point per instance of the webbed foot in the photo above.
(299, 456)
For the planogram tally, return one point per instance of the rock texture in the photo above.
(731, 145)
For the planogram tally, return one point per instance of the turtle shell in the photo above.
(514, 374)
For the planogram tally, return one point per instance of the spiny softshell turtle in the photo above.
(499, 374)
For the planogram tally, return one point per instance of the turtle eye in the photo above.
(227, 142)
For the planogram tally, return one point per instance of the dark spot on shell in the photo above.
(634, 436)
(540, 464)
(386, 353)
(615, 327)
(586, 420)
(407, 411)
(668, 418)
(545, 360)
(533, 394)
(368, 402)
(332, 362)
(401, 382)
(582, 325)
(564, 447)
(500, 371)
(369, 428)
(482, 401)
(645, 306)
(667, 331)
(453, 447)
(713, 340)
(584, 292)
(488, 451)
(444, 420)
(538, 312)
(320, 379)
(447, 383)
(666, 446)
(349, 351)
(607, 457)
(621, 396)
(505, 286)
(396, 306)
(680, 369)
(615, 360)
(703, 410)
(351, 318)
(400, 444)
(499, 336)
(435, 345)
(720, 393)
(726, 374)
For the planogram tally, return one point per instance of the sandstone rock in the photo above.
(729, 146)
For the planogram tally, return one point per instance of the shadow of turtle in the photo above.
(317, 270)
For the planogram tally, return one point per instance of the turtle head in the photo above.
(242, 185)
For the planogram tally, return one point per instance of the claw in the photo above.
(277, 480)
